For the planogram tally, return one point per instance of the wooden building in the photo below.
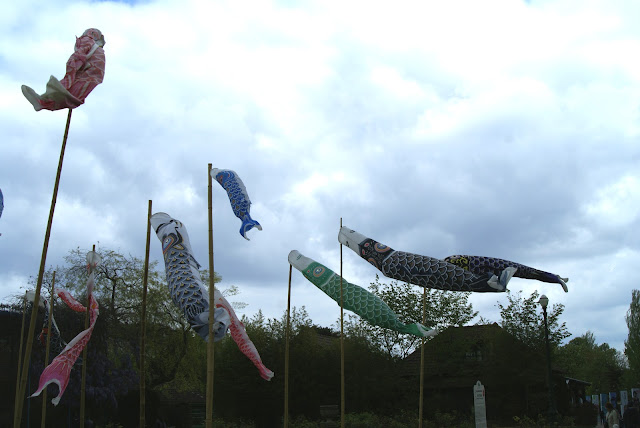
(514, 376)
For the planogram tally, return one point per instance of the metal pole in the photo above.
(552, 409)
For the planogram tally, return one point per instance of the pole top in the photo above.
(544, 301)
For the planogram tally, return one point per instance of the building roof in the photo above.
(473, 333)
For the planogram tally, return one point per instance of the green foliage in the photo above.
(367, 420)
(442, 309)
(632, 344)
(450, 420)
(542, 422)
(310, 364)
(298, 320)
(526, 421)
(232, 423)
(118, 281)
(523, 318)
(233, 290)
(402, 419)
(377, 394)
(174, 355)
(602, 366)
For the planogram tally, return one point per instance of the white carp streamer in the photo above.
(188, 293)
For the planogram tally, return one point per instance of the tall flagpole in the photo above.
(84, 359)
(24, 315)
(210, 356)
(341, 341)
(17, 416)
(424, 320)
(48, 348)
(143, 324)
(286, 356)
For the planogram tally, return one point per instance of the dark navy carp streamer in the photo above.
(239, 198)
(424, 271)
(481, 265)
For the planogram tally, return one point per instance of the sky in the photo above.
(499, 128)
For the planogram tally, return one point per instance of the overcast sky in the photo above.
(499, 128)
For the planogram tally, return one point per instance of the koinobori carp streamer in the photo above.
(238, 197)
(483, 265)
(421, 270)
(355, 298)
(189, 294)
(60, 368)
(85, 71)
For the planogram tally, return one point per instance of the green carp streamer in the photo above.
(355, 298)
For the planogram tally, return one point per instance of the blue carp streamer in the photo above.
(239, 198)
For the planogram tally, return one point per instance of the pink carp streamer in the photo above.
(60, 368)
(85, 71)
(239, 335)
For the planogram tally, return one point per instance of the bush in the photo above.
(450, 420)
(542, 422)
(228, 423)
(302, 422)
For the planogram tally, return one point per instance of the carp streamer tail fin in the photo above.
(247, 224)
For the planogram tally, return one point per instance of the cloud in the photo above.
(504, 129)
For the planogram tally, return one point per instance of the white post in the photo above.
(480, 405)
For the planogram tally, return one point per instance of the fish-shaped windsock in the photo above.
(481, 265)
(188, 293)
(420, 270)
(85, 71)
(355, 298)
(239, 198)
(60, 368)
(240, 336)
(183, 277)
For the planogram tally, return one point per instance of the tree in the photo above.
(523, 319)
(277, 328)
(632, 344)
(582, 358)
(119, 280)
(443, 309)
